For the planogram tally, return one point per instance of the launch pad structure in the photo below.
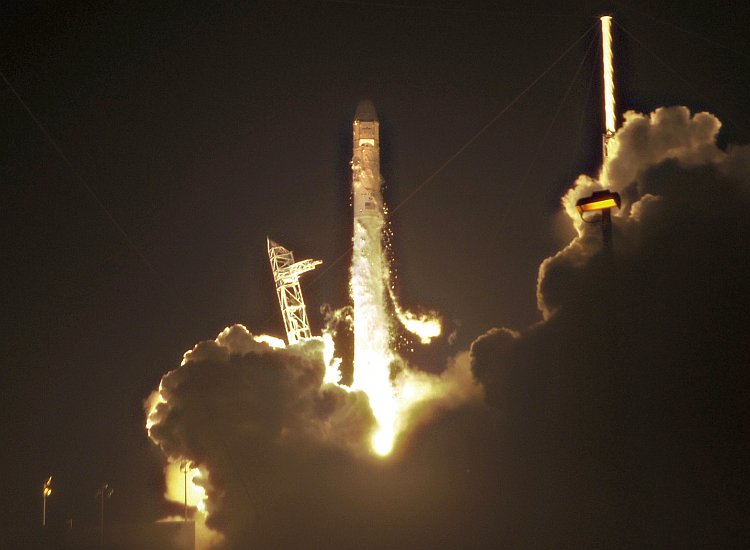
(610, 118)
(286, 274)
(367, 202)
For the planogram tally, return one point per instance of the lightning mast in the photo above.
(609, 85)
(604, 201)
(286, 274)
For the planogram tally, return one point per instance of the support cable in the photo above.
(489, 124)
(579, 132)
(683, 30)
(136, 249)
(426, 7)
(672, 70)
(534, 162)
(80, 179)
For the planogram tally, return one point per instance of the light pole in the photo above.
(104, 492)
(184, 469)
(46, 491)
(600, 201)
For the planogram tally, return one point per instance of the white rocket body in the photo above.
(366, 180)
(369, 278)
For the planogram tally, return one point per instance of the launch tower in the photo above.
(286, 274)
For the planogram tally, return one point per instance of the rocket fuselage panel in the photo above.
(367, 199)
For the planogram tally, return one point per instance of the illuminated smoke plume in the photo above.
(625, 412)
(244, 410)
(373, 329)
(276, 445)
(619, 420)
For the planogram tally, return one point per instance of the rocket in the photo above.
(372, 322)
(367, 198)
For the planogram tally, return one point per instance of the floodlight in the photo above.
(600, 201)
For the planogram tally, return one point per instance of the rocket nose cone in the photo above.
(365, 111)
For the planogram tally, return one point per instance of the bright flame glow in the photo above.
(175, 478)
(275, 343)
(333, 364)
(47, 487)
(375, 357)
(152, 402)
(425, 326)
(609, 82)
(399, 398)
(373, 329)
(382, 441)
(368, 286)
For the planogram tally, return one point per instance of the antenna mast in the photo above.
(286, 273)
(609, 85)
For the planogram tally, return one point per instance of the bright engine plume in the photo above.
(370, 287)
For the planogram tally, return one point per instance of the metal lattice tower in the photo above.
(286, 273)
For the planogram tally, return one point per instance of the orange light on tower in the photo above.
(600, 201)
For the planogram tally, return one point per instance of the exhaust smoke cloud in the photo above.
(617, 417)
(625, 409)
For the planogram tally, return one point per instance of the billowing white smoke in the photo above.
(252, 418)
(616, 418)
(643, 141)
(626, 408)
(373, 328)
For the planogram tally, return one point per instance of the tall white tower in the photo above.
(286, 273)
(610, 121)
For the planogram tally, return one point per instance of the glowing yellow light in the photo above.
(599, 200)
(597, 205)
(382, 442)
(174, 474)
(47, 487)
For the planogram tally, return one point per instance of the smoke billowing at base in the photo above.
(276, 446)
(619, 420)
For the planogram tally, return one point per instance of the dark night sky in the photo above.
(200, 130)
